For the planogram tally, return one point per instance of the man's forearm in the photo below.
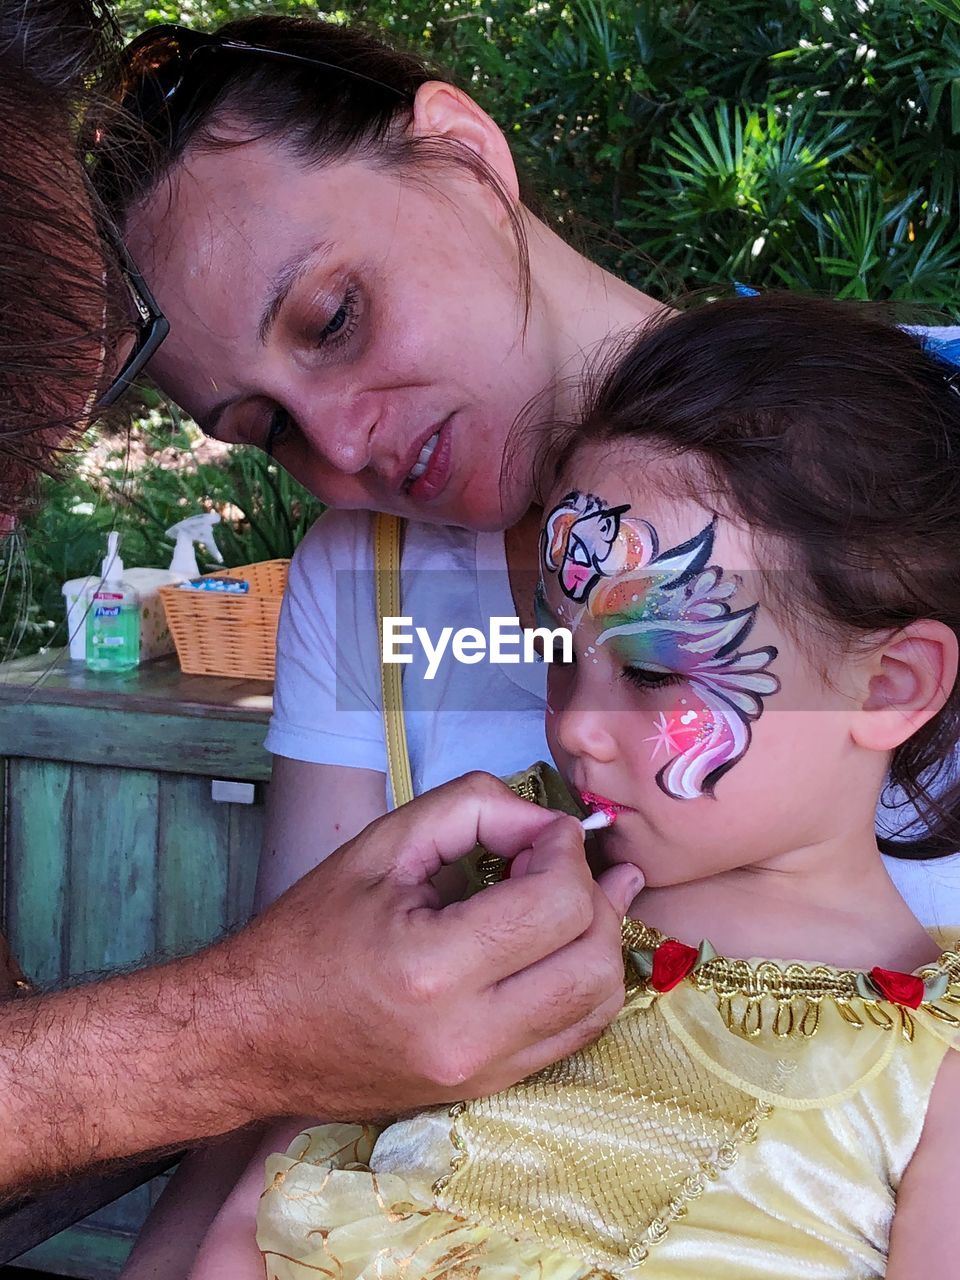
(140, 1062)
(352, 995)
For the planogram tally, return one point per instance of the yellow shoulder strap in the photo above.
(387, 543)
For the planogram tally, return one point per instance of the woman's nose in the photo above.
(339, 431)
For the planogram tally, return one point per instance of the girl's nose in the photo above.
(583, 730)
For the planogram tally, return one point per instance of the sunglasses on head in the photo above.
(157, 64)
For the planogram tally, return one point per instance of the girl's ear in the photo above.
(911, 677)
(441, 110)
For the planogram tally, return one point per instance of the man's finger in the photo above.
(621, 884)
(565, 986)
(415, 841)
(506, 928)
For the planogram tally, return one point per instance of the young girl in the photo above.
(754, 537)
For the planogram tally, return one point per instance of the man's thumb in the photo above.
(621, 884)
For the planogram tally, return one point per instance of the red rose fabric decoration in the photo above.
(672, 961)
(899, 988)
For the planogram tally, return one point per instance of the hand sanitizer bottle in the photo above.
(113, 619)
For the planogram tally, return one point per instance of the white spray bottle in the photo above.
(155, 637)
(185, 533)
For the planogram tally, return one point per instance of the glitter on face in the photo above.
(680, 730)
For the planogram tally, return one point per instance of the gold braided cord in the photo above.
(796, 991)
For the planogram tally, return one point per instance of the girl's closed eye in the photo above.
(648, 679)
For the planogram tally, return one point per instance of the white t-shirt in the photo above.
(327, 703)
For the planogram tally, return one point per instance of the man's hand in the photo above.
(355, 995)
(362, 996)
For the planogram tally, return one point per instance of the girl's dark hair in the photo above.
(52, 284)
(834, 432)
(358, 104)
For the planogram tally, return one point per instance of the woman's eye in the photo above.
(279, 427)
(644, 678)
(337, 323)
(343, 321)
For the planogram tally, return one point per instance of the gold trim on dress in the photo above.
(796, 990)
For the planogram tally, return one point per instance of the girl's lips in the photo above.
(602, 804)
(428, 486)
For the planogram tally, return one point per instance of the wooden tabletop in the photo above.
(158, 687)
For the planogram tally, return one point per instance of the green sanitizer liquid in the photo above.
(113, 629)
(113, 618)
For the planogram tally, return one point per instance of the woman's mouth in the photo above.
(602, 804)
(428, 475)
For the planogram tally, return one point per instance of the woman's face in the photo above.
(367, 328)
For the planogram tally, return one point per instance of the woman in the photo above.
(355, 286)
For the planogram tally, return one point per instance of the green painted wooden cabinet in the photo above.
(124, 837)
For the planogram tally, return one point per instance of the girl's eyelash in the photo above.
(643, 678)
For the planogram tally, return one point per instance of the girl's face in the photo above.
(688, 707)
(367, 328)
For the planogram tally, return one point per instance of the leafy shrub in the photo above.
(806, 144)
(141, 484)
(799, 144)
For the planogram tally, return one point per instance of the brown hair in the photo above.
(52, 285)
(360, 103)
(834, 432)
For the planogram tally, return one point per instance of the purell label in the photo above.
(107, 611)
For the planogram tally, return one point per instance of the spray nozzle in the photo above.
(185, 533)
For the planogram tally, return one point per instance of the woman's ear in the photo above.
(911, 676)
(441, 110)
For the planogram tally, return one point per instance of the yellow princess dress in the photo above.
(738, 1120)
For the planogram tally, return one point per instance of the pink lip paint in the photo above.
(594, 801)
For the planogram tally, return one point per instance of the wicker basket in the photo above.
(224, 635)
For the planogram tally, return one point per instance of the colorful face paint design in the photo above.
(688, 724)
(668, 619)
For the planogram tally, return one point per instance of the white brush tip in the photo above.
(597, 821)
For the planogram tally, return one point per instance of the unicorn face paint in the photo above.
(665, 618)
(584, 541)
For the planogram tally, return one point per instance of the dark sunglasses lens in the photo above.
(153, 72)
